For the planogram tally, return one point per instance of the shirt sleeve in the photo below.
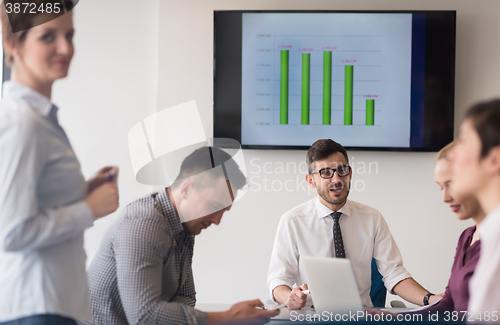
(186, 294)
(447, 302)
(23, 226)
(284, 265)
(139, 254)
(388, 257)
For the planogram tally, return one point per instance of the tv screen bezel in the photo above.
(234, 85)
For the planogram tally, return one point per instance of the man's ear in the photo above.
(310, 180)
(186, 188)
(493, 161)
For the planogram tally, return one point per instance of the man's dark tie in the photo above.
(337, 235)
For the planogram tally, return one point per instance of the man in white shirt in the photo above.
(309, 230)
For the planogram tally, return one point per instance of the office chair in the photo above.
(378, 292)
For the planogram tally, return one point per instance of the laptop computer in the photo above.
(332, 284)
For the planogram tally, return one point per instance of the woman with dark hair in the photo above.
(45, 202)
(476, 168)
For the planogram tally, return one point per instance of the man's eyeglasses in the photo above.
(342, 171)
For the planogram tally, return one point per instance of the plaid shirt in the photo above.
(142, 272)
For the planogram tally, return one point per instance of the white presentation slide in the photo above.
(342, 76)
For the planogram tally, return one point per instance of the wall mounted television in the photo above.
(371, 80)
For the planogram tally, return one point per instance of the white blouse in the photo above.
(42, 212)
(484, 286)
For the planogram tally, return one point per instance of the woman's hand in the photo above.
(105, 174)
(434, 298)
(103, 200)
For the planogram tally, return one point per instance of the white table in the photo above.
(286, 315)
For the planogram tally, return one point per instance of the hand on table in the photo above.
(246, 312)
(435, 298)
(297, 298)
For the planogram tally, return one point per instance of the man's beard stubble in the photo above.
(324, 195)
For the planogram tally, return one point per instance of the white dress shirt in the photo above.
(307, 230)
(42, 212)
(484, 287)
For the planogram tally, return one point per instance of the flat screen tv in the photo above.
(371, 80)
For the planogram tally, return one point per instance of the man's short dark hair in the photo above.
(485, 118)
(322, 149)
(205, 159)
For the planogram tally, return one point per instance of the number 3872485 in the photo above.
(33, 8)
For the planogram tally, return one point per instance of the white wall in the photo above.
(111, 86)
(136, 57)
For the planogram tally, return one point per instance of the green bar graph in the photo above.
(348, 94)
(327, 87)
(284, 87)
(306, 87)
(370, 112)
(327, 91)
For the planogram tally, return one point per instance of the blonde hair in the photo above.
(443, 153)
(23, 22)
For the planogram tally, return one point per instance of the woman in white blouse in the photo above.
(45, 202)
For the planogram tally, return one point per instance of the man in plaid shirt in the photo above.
(142, 272)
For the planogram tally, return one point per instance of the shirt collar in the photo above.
(324, 211)
(167, 209)
(41, 104)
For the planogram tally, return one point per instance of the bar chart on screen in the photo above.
(313, 81)
(316, 77)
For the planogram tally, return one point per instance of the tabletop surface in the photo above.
(286, 315)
